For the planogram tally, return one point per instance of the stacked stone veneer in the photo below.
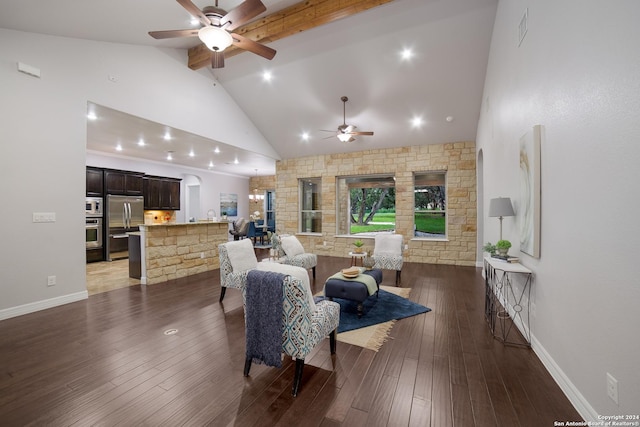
(179, 250)
(457, 159)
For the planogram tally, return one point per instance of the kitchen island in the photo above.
(174, 250)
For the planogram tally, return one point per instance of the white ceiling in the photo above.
(358, 56)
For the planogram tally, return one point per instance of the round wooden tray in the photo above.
(350, 273)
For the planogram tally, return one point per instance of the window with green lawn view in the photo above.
(430, 210)
(366, 204)
(310, 205)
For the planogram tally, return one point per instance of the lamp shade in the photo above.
(215, 38)
(500, 207)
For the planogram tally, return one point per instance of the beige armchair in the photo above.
(387, 253)
(290, 251)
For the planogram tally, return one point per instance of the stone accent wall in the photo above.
(457, 159)
(179, 250)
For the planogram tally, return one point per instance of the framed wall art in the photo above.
(229, 204)
(529, 209)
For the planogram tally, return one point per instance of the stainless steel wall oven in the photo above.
(94, 233)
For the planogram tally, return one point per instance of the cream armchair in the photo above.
(387, 253)
(236, 259)
(290, 251)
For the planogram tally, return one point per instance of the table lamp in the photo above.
(500, 207)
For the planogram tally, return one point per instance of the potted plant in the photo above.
(503, 246)
(358, 244)
(489, 248)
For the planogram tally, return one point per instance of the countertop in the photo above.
(179, 224)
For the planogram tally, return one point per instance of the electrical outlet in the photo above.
(406, 247)
(51, 280)
(612, 388)
(202, 255)
(324, 243)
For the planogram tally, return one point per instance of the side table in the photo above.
(504, 305)
(355, 256)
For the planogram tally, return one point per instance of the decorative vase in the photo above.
(502, 251)
(368, 262)
(358, 250)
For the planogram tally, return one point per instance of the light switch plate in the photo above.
(44, 217)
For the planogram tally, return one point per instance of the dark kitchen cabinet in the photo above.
(95, 182)
(123, 183)
(161, 193)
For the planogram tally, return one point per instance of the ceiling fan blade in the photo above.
(359, 133)
(217, 60)
(195, 12)
(255, 47)
(168, 34)
(241, 14)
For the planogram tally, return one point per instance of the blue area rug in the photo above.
(385, 307)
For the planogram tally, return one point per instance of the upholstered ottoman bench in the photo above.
(353, 289)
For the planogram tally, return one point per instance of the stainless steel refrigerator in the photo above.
(124, 215)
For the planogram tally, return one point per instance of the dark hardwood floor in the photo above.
(107, 361)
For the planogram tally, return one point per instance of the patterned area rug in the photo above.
(373, 328)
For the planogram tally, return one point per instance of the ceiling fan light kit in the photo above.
(215, 38)
(216, 29)
(346, 132)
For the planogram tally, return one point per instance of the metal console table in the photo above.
(503, 306)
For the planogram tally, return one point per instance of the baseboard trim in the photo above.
(576, 398)
(32, 307)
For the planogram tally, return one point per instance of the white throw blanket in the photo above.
(291, 270)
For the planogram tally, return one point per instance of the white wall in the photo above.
(43, 131)
(577, 73)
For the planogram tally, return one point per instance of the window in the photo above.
(366, 204)
(310, 205)
(270, 206)
(430, 210)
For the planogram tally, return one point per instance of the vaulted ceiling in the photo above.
(358, 55)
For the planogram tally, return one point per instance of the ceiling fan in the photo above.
(346, 132)
(216, 29)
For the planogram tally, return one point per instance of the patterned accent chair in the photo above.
(387, 253)
(290, 251)
(303, 326)
(228, 277)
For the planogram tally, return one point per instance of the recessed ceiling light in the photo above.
(267, 76)
(118, 147)
(191, 153)
(235, 162)
(210, 165)
(416, 122)
(305, 136)
(91, 116)
(141, 142)
(194, 21)
(406, 54)
(169, 156)
(449, 119)
(167, 136)
(217, 150)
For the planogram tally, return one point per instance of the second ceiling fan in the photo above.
(347, 132)
(217, 26)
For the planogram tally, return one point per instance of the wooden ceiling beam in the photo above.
(286, 22)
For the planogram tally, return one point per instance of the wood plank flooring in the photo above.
(107, 361)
